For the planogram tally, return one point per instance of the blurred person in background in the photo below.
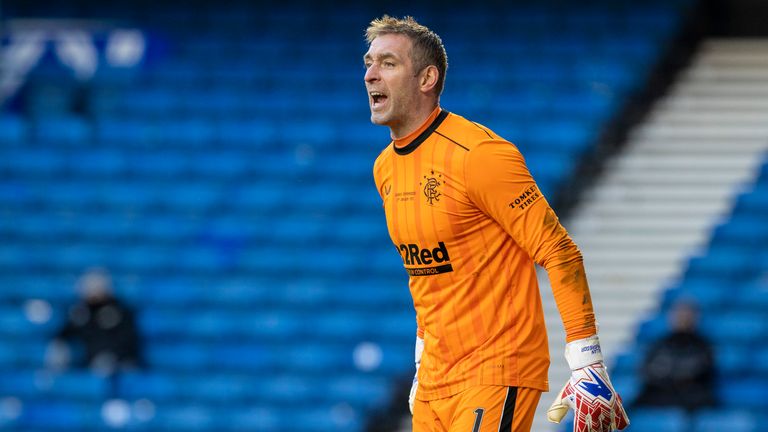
(394, 416)
(679, 369)
(470, 222)
(99, 326)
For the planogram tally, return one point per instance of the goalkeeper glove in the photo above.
(417, 357)
(596, 405)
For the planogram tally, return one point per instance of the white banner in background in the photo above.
(75, 48)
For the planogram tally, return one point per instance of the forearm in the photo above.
(572, 296)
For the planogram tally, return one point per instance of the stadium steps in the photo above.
(659, 199)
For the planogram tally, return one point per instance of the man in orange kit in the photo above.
(469, 222)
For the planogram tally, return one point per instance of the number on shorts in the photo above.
(478, 419)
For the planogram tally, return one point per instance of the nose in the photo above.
(372, 74)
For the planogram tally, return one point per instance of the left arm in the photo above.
(500, 184)
(502, 187)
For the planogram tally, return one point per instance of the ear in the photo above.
(428, 78)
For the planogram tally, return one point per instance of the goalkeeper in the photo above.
(469, 222)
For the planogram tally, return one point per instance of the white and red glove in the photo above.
(419, 349)
(596, 405)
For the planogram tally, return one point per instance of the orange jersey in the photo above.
(469, 222)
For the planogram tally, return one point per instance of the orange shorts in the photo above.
(478, 409)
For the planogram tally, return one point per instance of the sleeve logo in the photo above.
(526, 198)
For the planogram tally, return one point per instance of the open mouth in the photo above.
(377, 98)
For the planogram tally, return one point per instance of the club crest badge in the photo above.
(431, 187)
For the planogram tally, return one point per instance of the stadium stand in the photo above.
(729, 283)
(226, 182)
(693, 179)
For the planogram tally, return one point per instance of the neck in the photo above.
(412, 122)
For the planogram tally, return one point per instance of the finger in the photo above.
(589, 423)
(599, 421)
(606, 421)
(555, 413)
(621, 420)
(612, 423)
(558, 409)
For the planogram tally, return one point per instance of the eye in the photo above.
(389, 64)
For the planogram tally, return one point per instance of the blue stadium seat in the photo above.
(395, 326)
(660, 420)
(162, 164)
(730, 420)
(263, 417)
(564, 137)
(211, 102)
(613, 73)
(72, 386)
(653, 328)
(199, 417)
(177, 356)
(628, 386)
(15, 194)
(760, 362)
(315, 419)
(59, 415)
(142, 259)
(317, 358)
(745, 393)
(627, 363)
(151, 102)
(755, 202)
(62, 129)
(13, 130)
(103, 227)
(187, 133)
(278, 325)
(222, 165)
(342, 327)
(722, 262)
(128, 195)
(32, 162)
(192, 196)
(261, 197)
(733, 361)
(313, 133)
(310, 292)
(753, 296)
(708, 293)
(249, 134)
(127, 132)
(155, 386)
(97, 162)
(168, 227)
(77, 256)
(15, 322)
(284, 390)
(748, 229)
(736, 326)
(397, 359)
(359, 390)
(245, 357)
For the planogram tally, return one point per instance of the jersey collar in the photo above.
(422, 133)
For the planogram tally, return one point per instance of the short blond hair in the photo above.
(427, 49)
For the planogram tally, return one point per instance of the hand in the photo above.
(589, 392)
(419, 349)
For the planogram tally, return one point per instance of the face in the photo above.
(391, 80)
(684, 317)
